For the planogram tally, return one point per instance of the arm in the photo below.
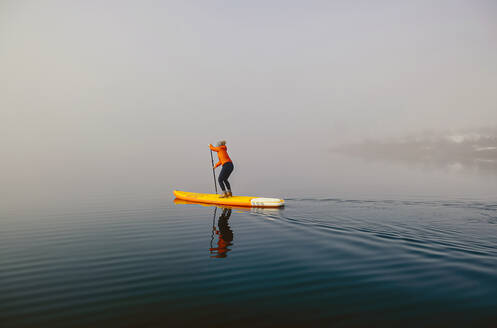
(216, 149)
(217, 164)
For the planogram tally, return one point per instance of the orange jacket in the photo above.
(222, 153)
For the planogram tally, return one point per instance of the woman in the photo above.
(224, 160)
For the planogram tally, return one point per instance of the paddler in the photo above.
(227, 164)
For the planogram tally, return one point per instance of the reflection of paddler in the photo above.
(225, 235)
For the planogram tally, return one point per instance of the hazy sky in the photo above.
(114, 88)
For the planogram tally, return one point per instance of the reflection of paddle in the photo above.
(213, 227)
(213, 172)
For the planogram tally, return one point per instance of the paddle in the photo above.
(213, 172)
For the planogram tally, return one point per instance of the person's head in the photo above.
(221, 143)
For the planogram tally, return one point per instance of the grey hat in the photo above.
(221, 143)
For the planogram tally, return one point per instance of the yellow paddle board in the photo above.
(233, 201)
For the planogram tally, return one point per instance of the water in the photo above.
(146, 261)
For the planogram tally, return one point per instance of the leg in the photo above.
(229, 168)
(221, 183)
(222, 178)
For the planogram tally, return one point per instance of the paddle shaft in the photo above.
(213, 172)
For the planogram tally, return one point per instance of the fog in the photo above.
(473, 151)
(102, 97)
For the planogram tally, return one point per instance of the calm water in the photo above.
(146, 261)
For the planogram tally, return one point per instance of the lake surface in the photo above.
(146, 261)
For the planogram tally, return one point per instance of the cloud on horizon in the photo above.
(469, 150)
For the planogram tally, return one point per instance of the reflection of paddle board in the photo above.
(178, 201)
(233, 201)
